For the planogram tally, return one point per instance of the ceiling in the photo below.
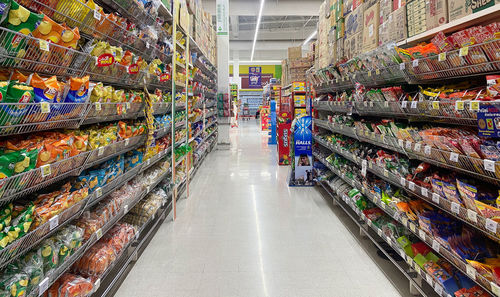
(284, 23)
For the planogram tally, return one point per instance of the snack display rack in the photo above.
(347, 105)
(48, 58)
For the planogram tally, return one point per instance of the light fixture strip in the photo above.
(310, 37)
(257, 27)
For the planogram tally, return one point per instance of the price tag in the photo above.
(97, 15)
(408, 145)
(427, 149)
(397, 216)
(97, 284)
(459, 105)
(404, 104)
(127, 105)
(415, 63)
(45, 107)
(474, 105)
(454, 157)
(337, 80)
(421, 233)
(45, 170)
(383, 205)
(369, 73)
(386, 104)
(464, 51)
(435, 245)
(377, 71)
(375, 199)
(369, 222)
(428, 278)
(414, 104)
(354, 76)
(442, 57)
(125, 208)
(370, 165)
(379, 231)
(127, 141)
(438, 289)
(148, 161)
(98, 106)
(386, 173)
(424, 191)
(401, 142)
(413, 228)
(435, 198)
(363, 168)
(371, 103)
(417, 269)
(43, 286)
(418, 147)
(54, 222)
(44, 45)
(404, 221)
(435, 104)
(100, 151)
(455, 207)
(472, 215)
(491, 225)
(147, 44)
(495, 289)
(471, 272)
(343, 79)
(402, 181)
(411, 186)
(99, 233)
(489, 165)
(98, 192)
(409, 260)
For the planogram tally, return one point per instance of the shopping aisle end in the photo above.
(244, 232)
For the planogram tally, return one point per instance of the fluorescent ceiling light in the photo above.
(256, 61)
(257, 27)
(310, 37)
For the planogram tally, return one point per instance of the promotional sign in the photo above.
(255, 77)
(222, 10)
(302, 137)
(284, 127)
(488, 120)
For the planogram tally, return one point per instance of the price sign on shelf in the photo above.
(495, 289)
(454, 157)
(402, 66)
(435, 104)
(369, 73)
(474, 105)
(489, 165)
(386, 172)
(455, 208)
(438, 288)
(97, 15)
(403, 181)
(411, 186)
(428, 278)
(98, 106)
(404, 221)
(471, 272)
(418, 147)
(459, 105)
(401, 142)
(404, 104)
(363, 167)
(472, 215)
(424, 192)
(421, 233)
(125, 208)
(46, 171)
(377, 71)
(435, 245)
(54, 222)
(491, 225)
(45, 107)
(98, 192)
(100, 151)
(379, 232)
(464, 51)
(435, 198)
(43, 286)
(127, 141)
(44, 45)
(413, 228)
(415, 63)
(442, 57)
(408, 145)
(99, 233)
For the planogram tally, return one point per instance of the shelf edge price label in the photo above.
(427, 149)
(428, 278)
(413, 228)
(495, 288)
(44, 45)
(472, 215)
(400, 142)
(99, 233)
(489, 165)
(363, 167)
(435, 245)
(369, 73)
(100, 151)
(411, 186)
(438, 289)
(377, 71)
(404, 221)
(435, 198)
(415, 63)
(403, 181)
(421, 233)
(97, 15)
(471, 271)
(127, 105)
(125, 208)
(454, 157)
(402, 66)
(379, 232)
(442, 57)
(491, 225)
(417, 269)
(424, 192)
(98, 106)
(474, 105)
(408, 145)
(455, 208)
(371, 103)
(43, 286)
(459, 105)
(54, 222)
(418, 147)
(46, 171)
(386, 172)
(404, 104)
(464, 51)
(435, 104)
(45, 107)
(127, 141)
(97, 284)
(414, 104)
(98, 192)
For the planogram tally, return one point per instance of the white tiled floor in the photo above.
(244, 232)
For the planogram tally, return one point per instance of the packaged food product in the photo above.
(16, 93)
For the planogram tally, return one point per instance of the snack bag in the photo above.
(76, 91)
(16, 93)
(22, 21)
(49, 31)
(45, 90)
(69, 39)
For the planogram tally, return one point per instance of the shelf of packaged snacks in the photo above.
(400, 217)
(179, 162)
(180, 84)
(106, 112)
(475, 60)
(153, 160)
(204, 81)
(179, 64)
(195, 136)
(481, 17)
(198, 64)
(483, 169)
(210, 124)
(162, 132)
(180, 124)
(161, 108)
(101, 154)
(208, 136)
(210, 114)
(365, 224)
(469, 216)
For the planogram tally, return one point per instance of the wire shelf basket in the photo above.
(101, 154)
(161, 108)
(104, 112)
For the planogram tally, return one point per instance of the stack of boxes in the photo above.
(348, 28)
(202, 31)
(294, 68)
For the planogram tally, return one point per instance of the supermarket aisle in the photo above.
(243, 232)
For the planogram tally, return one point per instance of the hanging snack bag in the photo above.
(69, 39)
(76, 91)
(12, 114)
(23, 22)
(46, 91)
(49, 31)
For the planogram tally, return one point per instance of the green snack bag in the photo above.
(49, 255)
(17, 284)
(14, 114)
(28, 161)
(25, 216)
(13, 233)
(20, 20)
(4, 85)
(4, 240)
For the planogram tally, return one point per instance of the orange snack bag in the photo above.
(69, 37)
(17, 75)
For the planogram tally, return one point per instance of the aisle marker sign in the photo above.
(222, 9)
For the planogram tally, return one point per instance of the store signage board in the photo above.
(255, 77)
(488, 120)
(222, 10)
(302, 137)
